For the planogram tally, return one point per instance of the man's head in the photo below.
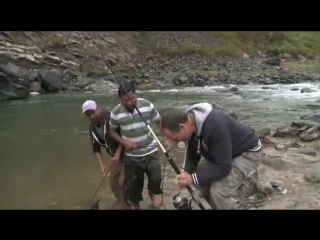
(125, 97)
(91, 110)
(177, 125)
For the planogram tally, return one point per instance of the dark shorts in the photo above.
(135, 168)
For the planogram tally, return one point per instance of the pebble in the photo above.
(276, 183)
(265, 187)
(313, 175)
(280, 147)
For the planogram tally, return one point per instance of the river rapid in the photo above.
(46, 158)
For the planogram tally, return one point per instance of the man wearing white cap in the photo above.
(98, 130)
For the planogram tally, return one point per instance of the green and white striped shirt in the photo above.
(133, 128)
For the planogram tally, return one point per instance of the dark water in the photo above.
(45, 154)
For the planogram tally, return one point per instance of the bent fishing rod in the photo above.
(170, 160)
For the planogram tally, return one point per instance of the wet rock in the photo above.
(304, 125)
(313, 117)
(313, 175)
(265, 187)
(286, 132)
(233, 89)
(263, 132)
(308, 90)
(310, 134)
(271, 88)
(12, 87)
(51, 80)
(294, 89)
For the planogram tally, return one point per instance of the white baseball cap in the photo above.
(89, 105)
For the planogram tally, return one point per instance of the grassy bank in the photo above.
(234, 44)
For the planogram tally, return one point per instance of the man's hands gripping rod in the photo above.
(172, 163)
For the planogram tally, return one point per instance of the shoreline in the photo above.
(178, 71)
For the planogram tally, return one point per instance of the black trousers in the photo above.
(135, 168)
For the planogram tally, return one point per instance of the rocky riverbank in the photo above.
(289, 175)
(70, 62)
(290, 171)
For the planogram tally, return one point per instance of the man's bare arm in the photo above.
(118, 151)
(99, 158)
(116, 136)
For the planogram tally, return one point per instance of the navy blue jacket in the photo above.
(219, 139)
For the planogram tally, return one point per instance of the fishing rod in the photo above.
(94, 195)
(170, 160)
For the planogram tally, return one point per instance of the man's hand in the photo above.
(104, 170)
(130, 145)
(184, 179)
(115, 159)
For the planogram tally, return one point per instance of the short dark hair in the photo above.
(127, 85)
(172, 118)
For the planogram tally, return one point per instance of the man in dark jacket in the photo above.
(98, 131)
(230, 150)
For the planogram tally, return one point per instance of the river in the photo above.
(46, 159)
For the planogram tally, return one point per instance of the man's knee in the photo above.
(223, 196)
(133, 188)
(133, 182)
(248, 164)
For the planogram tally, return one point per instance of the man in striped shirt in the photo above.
(141, 152)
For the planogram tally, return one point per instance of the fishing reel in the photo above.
(182, 203)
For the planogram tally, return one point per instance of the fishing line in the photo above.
(171, 162)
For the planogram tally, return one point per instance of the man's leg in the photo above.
(114, 181)
(242, 179)
(153, 172)
(121, 181)
(134, 180)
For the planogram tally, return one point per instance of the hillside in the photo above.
(68, 61)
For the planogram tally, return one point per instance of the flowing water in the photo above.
(46, 160)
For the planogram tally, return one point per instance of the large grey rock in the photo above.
(11, 86)
(51, 80)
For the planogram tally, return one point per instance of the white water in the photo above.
(275, 91)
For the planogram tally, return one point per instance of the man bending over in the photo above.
(99, 135)
(230, 150)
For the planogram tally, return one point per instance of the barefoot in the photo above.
(153, 199)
